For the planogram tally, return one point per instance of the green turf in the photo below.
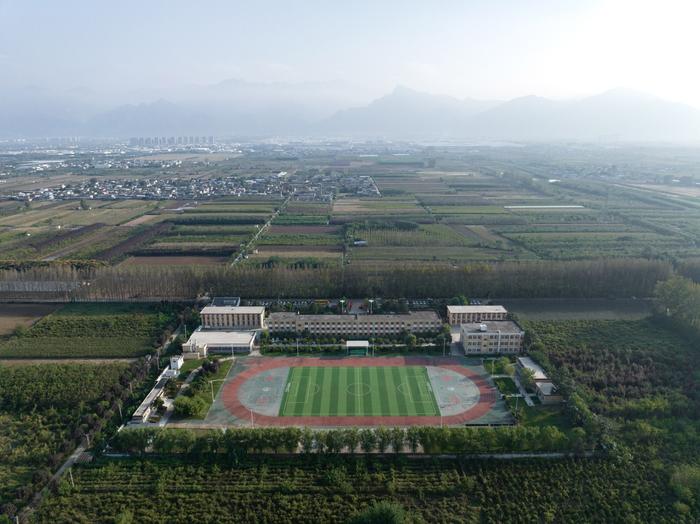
(358, 391)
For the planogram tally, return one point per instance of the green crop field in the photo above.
(358, 391)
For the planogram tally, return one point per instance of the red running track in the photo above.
(230, 397)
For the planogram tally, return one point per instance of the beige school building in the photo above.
(457, 315)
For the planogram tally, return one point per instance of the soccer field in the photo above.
(358, 391)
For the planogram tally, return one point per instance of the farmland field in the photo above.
(296, 252)
(463, 212)
(70, 214)
(623, 365)
(99, 331)
(570, 309)
(308, 488)
(39, 408)
(183, 260)
(347, 391)
(14, 315)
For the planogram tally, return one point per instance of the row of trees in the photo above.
(595, 278)
(404, 337)
(431, 440)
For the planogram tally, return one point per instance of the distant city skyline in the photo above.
(484, 50)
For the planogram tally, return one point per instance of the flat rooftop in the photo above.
(226, 301)
(476, 309)
(547, 388)
(530, 364)
(150, 398)
(253, 310)
(492, 326)
(221, 337)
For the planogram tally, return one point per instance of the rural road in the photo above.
(266, 225)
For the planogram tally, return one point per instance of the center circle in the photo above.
(358, 389)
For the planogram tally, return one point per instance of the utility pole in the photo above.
(70, 475)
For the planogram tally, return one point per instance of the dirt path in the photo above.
(25, 514)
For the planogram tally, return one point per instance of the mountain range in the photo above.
(240, 108)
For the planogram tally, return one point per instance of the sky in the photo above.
(480, 49)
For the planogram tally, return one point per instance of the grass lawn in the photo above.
(206, 391)
(540, 415)
(358, 391)
(224, 367)
(188, 366)
(498, 366)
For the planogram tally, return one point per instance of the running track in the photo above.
(254, 366)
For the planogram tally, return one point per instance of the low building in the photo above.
(538, 374)
(492, 337)
(233, 317)
(176, 362)
(203, 342)
(548, 393)
(143, 412)
(355, 325)
(457, 315)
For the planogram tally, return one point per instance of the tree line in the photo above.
(236, 442)
(565, 279)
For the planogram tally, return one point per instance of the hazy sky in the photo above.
(486, 49)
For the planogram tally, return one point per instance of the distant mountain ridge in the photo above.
(614, 115)
(235, 108)
(405, 112)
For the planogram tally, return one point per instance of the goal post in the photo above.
(357, 347)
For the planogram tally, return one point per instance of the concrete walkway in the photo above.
(523, 393)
